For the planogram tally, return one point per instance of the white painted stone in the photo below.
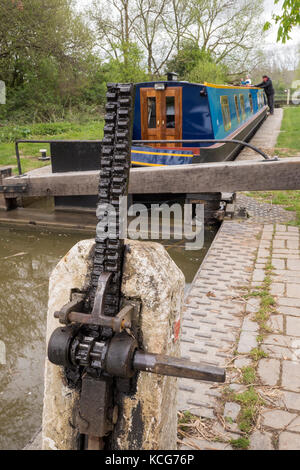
(279, 243)
(151, 276)
(278, 263)
(293, 264)
(293, 290)
(58, 428)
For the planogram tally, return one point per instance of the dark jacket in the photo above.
(267, 86)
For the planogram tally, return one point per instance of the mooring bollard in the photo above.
(147, 414)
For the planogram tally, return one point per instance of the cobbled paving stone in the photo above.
(260, 212)
(280, 418)
(214, 310)
(218, 320)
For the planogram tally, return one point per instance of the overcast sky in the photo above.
(269, 7)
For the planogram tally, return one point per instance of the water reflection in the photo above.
(23, 301)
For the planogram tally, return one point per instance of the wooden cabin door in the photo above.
(172, 115)
(161, 115)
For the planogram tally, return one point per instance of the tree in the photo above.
(209, 72)
(130, 70)
(148, 27)
(187, 58)
(229, 31)
(113, 21)
(43, 49)
(287, 20)
(195, 65)
(121, 23)
(281, 64)
(178, 20)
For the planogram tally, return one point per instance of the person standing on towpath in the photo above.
(267, 85)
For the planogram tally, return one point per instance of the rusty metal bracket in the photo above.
(104, 281)
(96, 408)
(75, 305)
(274, 159)
(72, 311)
(13, 188)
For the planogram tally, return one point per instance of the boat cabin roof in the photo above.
(174, 110)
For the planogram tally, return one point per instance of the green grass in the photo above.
(241, 443)
(257, 354)
(249, 401)
(248, 375)
(289, 137)
(91, 130)
(288, 144)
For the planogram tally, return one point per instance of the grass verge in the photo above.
(288, 144)
(91, 130)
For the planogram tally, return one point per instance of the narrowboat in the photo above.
(176, 110)
(166, 111)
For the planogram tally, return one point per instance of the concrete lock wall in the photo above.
(147, 419)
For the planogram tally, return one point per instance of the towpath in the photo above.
(265, 138)
(242, 312)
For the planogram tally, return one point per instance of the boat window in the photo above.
(251, 102)
(237, 108)
(242, 103)
(151, 112)
(170, 112)
(225, 113)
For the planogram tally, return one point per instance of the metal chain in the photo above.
(114, 176)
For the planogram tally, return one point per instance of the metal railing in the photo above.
(28, 141)
(204, 141)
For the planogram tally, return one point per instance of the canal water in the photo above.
(27, 258)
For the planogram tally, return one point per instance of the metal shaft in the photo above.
(166, 365)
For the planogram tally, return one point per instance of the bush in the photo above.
(12, 133)
(208, 72)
